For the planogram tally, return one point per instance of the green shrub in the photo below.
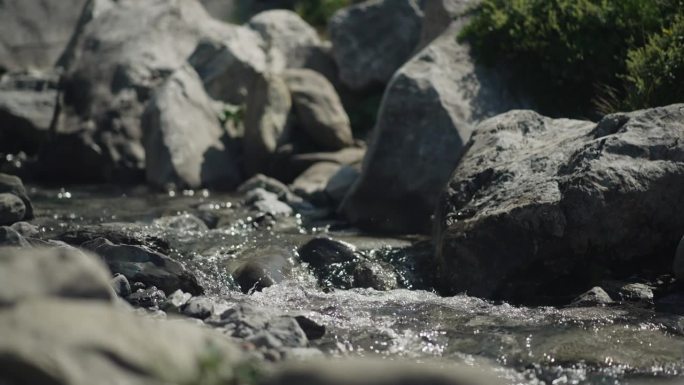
(655, 72)
(318, 12)
(567, 53)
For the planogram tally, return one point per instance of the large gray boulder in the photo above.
(541, 207)
(185, 144)
(286, 35)
(27, 108)
(35, 33)
(67, 342)
(124, 50)
(229, 64)
(266, 116)
(51, 272)
(426, 117)
(371, 40)
(319, 111)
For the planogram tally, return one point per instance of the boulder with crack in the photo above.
(541, 207)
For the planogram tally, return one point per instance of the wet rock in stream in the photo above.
(142, 264)
(262, 268)
(147, 298)
(594, 297)
(120, 285)
(119, 233)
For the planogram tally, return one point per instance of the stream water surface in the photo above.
(525, 345)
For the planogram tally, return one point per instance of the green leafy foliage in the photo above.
(569, 53)
(318, 12)
(655, 72)
(231, 113)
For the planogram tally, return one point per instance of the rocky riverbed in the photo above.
(186, 200)
(371, 299)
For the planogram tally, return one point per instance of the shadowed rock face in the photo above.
(373, 39)
(424, 121)
(540, 207)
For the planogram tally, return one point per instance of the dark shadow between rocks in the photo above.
(220, 167)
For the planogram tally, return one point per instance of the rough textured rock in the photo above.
(371, 40)
(319, 110)
(13, 185)
(267, 109)
(596, 296)
(185, 145)
(141, 264)
(27, 108)
(229, 64)
(266, 202)
(80, 343)
(425, 119)
(116, 232)
(35, 33)
(262, 327)
(147, 298)
(176, 300)
(124, 50)
(285, 33)
(51, 272)
(540, 207)
(636, 293)
(12, 209)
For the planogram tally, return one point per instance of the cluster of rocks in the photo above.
(191, 101)
(105, 303)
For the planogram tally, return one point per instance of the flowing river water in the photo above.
(525, 345)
